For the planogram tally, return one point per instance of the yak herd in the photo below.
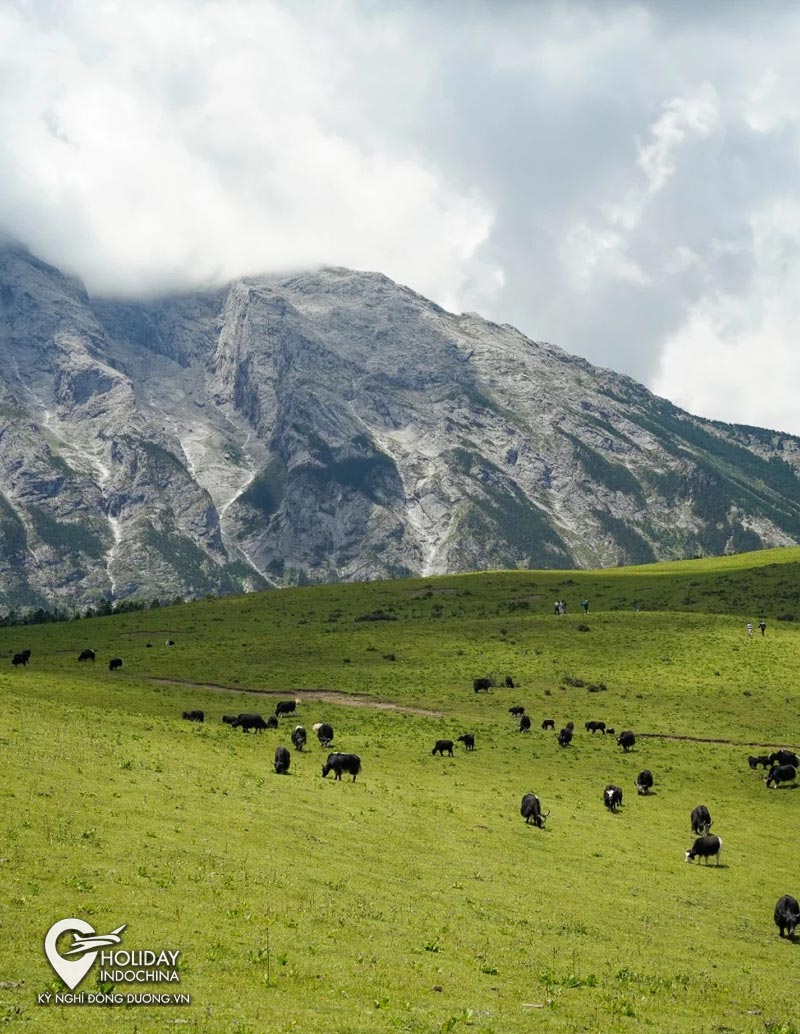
(336, 762)
(782, 766)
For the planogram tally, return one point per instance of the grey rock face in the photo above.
(335, 425)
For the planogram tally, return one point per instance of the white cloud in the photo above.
(737, 357)
(166, 143)
(609, 176)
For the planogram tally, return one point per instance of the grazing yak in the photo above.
(594, 727)
(787, 915)
(509, 682)
(298, 737)
(324, 733)
(784, 757)
(701, 820)
(612, 797)
(482, 685)
(248, 721)
(760, 759)
(516, 711)
(611, 732)
(549, 723)
(194, 716)
(20, 658)
(781, 774)
(87, 655)
(441, 746)
(114, 663)
(565, 736)
(282, 761)
(626, 740)
(229, 719)
(170, 642)
(468, 739)
(285, 707)
(338, 763)
(644, 782)
(524, 723)
(531, 811)
(705, 847)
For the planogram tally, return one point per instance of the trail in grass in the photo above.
(329, 696)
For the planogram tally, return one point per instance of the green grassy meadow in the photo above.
(415, 899)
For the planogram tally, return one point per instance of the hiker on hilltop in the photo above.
(749, 627)
(763, 626)
(585, 605)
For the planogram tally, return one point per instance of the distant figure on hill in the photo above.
(749, 627)
(763, 626)
(585, 605)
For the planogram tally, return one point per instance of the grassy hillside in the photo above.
(415, 899)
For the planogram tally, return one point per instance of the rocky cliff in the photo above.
(335, 425)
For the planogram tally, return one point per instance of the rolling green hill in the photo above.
(415, 899)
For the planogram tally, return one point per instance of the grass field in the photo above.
(415, 899)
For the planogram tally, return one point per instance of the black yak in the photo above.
(338, 763)
(282, 761)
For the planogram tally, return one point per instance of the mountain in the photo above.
(335, 425)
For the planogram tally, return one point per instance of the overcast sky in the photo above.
(622, 179)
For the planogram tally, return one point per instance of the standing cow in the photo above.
(612, 797)
(338, 763)
(324, 733)
(285, 707)
(644, 782)
(705, 847)
(524, 723)
(468, 739)
(626, 740)
(442, 747)
(482, 685)
(531, 811)
(282, 761)
(299, 737)
(784, 757)
(701, 820)
(87, 655)
(787, 915)
(781, 774)
(248, 721)
(114, 663)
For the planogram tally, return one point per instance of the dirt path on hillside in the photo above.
(328, 696)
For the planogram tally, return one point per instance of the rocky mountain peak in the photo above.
(332, 424)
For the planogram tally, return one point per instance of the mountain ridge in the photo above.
(333, 425)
